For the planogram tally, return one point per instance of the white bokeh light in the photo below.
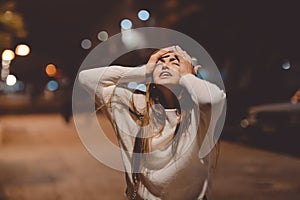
(86, 44)
(286, 65)
(141, 87)
(102, 35)
(11, 80)
(126, 24)
(132, 85)
(132, 39)
(8, 55)
(22, 50)
(143, 15)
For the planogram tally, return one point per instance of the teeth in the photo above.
(165, 74)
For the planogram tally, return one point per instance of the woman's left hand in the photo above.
(186, 66)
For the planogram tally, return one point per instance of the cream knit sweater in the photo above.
(164, 176)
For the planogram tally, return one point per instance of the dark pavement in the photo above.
(41, 157)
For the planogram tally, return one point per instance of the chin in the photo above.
(166, 82)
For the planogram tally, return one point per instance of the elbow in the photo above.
(86, 80)
(219, 103)
(82, 77)
(222, 96)
(219, 99)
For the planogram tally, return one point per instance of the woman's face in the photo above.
(167, 70)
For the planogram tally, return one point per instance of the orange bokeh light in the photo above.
(51, 70)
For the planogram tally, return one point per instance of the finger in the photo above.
(196, 68)
(183, 54)
(178, 48)
(155, 57)
(187, 56)
(166, 50)
(170, 48)
(161, 52)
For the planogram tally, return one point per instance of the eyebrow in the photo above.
(162, 58)
(166, 56)
(176, 57)
(172, 59)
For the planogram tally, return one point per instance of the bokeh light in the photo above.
(6, 62)
(132, 39)
(102, 35)
(286, 65)
(4, 73)
(52, 85)
(8, 54)
(141, 87)
(194, 61)
(17, 87)
(51, 70)
(143, 15)
(86, 44)
(132, 85)
(244, 123)
(126, 24)
(202, 73)
(22, 50)
(11, 80)
(8, 15)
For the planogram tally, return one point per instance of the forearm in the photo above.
(92, 79)
(201, 91)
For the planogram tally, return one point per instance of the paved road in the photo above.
(42, 158)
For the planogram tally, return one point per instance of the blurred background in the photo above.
(255, 45)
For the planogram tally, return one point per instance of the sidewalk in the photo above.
(41, 157)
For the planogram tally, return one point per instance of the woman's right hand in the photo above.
(154, 58)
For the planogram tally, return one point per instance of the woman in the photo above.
(160, 130)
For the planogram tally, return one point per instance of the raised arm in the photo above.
(103, 80)
(202, 92)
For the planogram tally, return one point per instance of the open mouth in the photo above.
(165, 74)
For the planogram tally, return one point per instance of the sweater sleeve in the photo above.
(102, 81)
(201, 91)
(211, 100)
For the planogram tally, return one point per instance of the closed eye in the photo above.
(176, 64)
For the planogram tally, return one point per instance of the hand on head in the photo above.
(154, 58)
(186, 66)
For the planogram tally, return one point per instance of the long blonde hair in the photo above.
(156, 116)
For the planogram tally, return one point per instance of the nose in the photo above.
(164, 67)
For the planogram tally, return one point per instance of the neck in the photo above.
(168, 95)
